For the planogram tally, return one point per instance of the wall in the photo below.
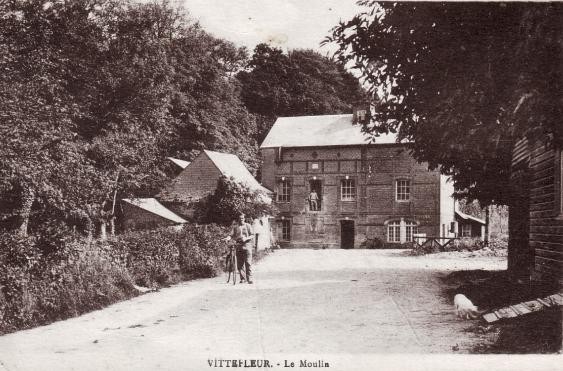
(194, 182)
(447, 206)
(137, 218)
(536, 215)
(520, 255)
(546, 215)
(374, 168)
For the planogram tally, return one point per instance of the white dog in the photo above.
(464, 308)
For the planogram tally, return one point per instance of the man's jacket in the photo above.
(241, 233)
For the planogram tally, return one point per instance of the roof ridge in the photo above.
(293, 117)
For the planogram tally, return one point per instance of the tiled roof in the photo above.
(230, 165)
(181, 163)
(153, 206)
(465, 216)
(325, 130)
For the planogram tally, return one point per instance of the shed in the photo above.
(199, 179)
(148, 213)
(180, 163)
(469, 225)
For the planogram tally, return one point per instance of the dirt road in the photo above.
(345, 308)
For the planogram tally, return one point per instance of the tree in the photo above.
(302, 82)
(206, 108)
(462, 81)
(229, 200)
(94, 94)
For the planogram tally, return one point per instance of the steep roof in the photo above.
(465, 216)
(153, 206)
(230, 165)
(181, 163)
(325, 130)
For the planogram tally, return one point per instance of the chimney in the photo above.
(360, 115)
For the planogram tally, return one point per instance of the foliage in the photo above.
(377, 243)
(38, 286)
(201, 251)
(372, 243)
(231, 198)
(463, 81)
(151, 257)
(301, 82)
(495, 247)
(498, 216)
(95, 94)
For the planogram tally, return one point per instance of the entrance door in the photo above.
(347, 234)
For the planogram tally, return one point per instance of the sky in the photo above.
(288, 24)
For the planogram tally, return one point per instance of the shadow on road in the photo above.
(529, 334)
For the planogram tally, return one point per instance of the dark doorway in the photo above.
(347, 234)
(315, 195)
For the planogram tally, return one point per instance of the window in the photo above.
(394, 232)
(411, 229)
(466, 230)
(403, 190)
(286, 230)
(315, 197)
(347, 190)
(284, 194)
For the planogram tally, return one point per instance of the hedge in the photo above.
(42, 281)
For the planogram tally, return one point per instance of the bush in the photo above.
(47, 277)
(229, 199)
(201, 251)
(372, 243)
(496, 247)
(164, 256)
(38, 286)
(151, 257)
(376, 243)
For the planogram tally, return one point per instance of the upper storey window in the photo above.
(284, 194)
(347, 190)
(403, 190)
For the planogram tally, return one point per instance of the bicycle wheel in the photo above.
(228, 267)
(234, 265)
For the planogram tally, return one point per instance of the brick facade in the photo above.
(196, 181)
(374, 170)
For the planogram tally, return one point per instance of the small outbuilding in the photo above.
(200, 178)
(146, 213)
(469, 226)
(182, 164)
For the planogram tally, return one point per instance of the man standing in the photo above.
(313, 200)
(244, 236)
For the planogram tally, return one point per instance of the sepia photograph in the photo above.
(281, 185)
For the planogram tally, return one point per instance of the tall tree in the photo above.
(94, 94)
(461, 80)
(302, 82)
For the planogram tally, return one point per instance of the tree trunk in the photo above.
(89, 229)
(114, 202)
(27, 199)
(103, 231)
(487, 222)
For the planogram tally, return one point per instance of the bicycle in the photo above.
(231, 264)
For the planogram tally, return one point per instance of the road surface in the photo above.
(339, 309)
